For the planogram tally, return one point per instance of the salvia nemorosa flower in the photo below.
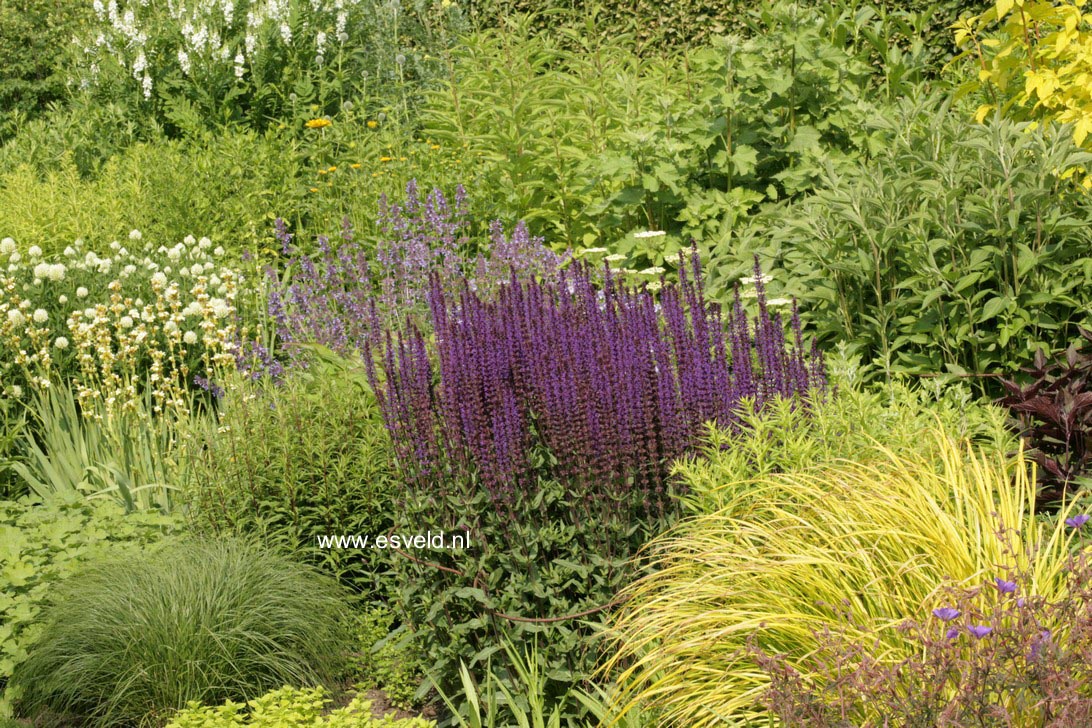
(946, 614)
(613, 382)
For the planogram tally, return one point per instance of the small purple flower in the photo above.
(946, 614)
(952, 633)
(209, 386)
(1020, 602)
(1005, 587)
(979, 630)
(1037, 645)
(1078, 520)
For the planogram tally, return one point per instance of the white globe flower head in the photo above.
(193, 309)
(124, 252)
(126, 322)
(16, 317)
(62, 299)
(34, 251)
(41, 315)
(220, 308)
(56, 272)
(189, 240)
(7, 246)
(215, 280)
(135, 235)
(16, 391)
(159, 279)
(41, 270)
(81, 292)
(115, 246)
(219, 251)
(61, 342)
(170, 327)
(15, 257)
(197, 269)
(174, 254)
(37, 281)
(128, 270)
(70, 252)
(89, 313)
(190, 338)
(204, 243)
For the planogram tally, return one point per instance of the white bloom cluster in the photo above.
(217, 35)
(111, 338)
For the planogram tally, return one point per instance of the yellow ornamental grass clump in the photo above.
(873, 543)
(1035, 55)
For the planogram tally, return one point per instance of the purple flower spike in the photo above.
(1005, 587)
(979, 630)
(952, 633)
(1078, 520)
(946, 614)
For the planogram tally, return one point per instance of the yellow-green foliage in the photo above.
(290, 708)
(1035, 54)
(872, 541)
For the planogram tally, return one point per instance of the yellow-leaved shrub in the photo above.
(1034, 61)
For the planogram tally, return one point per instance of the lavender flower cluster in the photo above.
(613, 383)
(336, 297)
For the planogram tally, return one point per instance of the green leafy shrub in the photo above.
(40, 546)
(228, 186)
(691, 22)
(289, 708)
(956, 248)
(295, 462)
(388, 659)
(589, 144)
(199, 64)
(869, 542)
(31, 33)
(225, 187)
(1030, 60)
(131, 638)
